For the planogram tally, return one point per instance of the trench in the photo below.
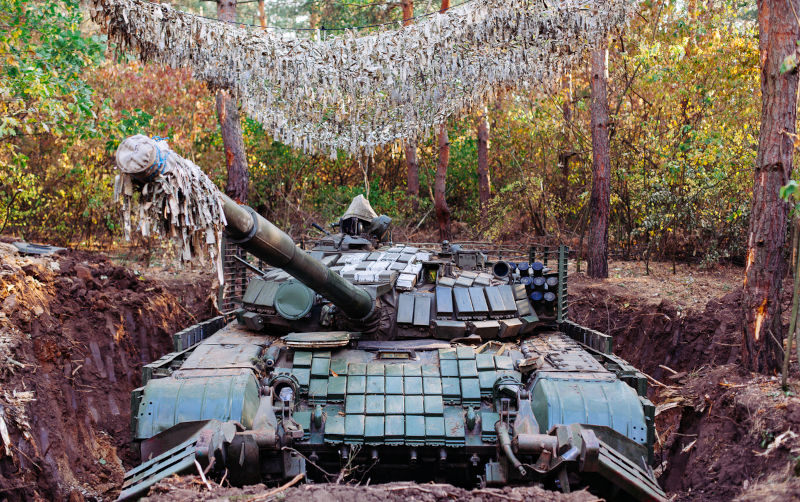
(92, 325)
(713, 418)
(78, 329)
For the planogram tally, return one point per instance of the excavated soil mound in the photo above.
(729, 432)
(74, 332)
(192, 489)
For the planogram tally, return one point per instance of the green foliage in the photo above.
(44, 55)
(462, 178)
(17, 186)
(45, 103)
(684, 127)
(71, 110)
(790, 191)
(683, 95)
(687, 184)
(789, 63)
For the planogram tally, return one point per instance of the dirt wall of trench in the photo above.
(75, 330)
(722, 431)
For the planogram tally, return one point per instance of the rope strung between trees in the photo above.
(357, 93)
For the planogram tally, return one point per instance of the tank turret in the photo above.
(267, 242)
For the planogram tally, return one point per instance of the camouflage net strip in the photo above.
(356, 93)
(13, 411)
(177, 199)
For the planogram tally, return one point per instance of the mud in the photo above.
(74, 332)
(192, 489)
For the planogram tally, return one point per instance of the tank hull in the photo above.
(463, 371)
(425, 410)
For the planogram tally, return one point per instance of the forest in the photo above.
(649, 146)
(683, 135)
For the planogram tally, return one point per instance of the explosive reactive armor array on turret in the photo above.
(423, 363)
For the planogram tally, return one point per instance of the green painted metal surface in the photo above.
(426, 407)
(563, 399)
(348, 392)
(293, 300)
(174, 461)
(169, 401)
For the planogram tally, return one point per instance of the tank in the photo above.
(393, 361)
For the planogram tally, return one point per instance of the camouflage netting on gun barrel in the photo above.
(176, 199)
(356, 92)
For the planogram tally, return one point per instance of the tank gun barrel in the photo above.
(260, 237)
(184, 193)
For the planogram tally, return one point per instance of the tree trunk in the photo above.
(365, 165)
(313, 17)
(440, 183)
(597, 261)
(567, 151)
(228, 116)
(408, 11)
(483, 165)
(766, 266)
(262, 17)
(440, 203)
(412, 165)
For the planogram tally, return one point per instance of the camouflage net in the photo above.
(176, 200)
(356, 93)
